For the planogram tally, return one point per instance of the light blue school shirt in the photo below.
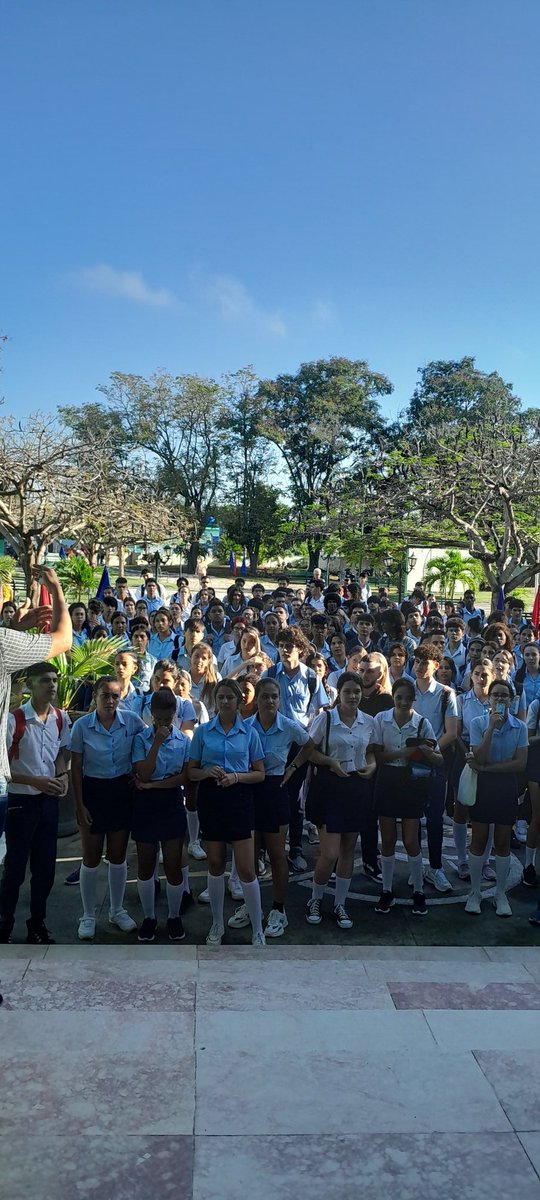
(131, 702)
(159, 649)
(184, 709)
(532, 716)
(106, 752)
(429, 704)
(218, 635)
(79, 638)
(153, 605)
(277, 741)
(269, 648)
(234, 751)
(504, 742)
(171, 756)
(531, 688)
(145, 669)
(296, 701)
(459, 659)
(469, 707)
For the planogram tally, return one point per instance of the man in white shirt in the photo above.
(363, 584)
(37, 743)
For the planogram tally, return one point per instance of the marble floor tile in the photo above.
(312, 1033)
(341, 953)
(12, 969)
(404, 1166)
(515, 1079)
(114, 989)
(528, 955)
(496, 996)
(531, 1145)
(88, 1094)
(97, 1168)
(122, 953)
(290, 987)
(142, 969)
(110, 1032)
(473, 973)
(484, 1030)
(344, 1092)
(20, 950)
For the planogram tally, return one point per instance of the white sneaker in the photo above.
(438, 878)
(520, 831)
(240, 918)
(204, 897)
(215, 936)
(258, 939)
(463, 870)
(276, 924)
(122, 920)
(473, 904)
(502, 906)
(235, 888)
(313, 836)
(195, 850)
(87, 929)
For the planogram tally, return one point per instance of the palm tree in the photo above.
(84, 664)
(77, 577)
(448, 569)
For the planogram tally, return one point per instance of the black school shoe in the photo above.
(147, 932)
(373, 871)
(385, 902)
(175, 929)
(529, 877)
(419, 906)
(38, 935)
(6, 928)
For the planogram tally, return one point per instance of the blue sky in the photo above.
(197, 186)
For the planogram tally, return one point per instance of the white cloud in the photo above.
(323, 313)
(234, 303)
(129, 285)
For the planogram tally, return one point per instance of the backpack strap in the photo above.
(18, 733)
(312, 681)
(59, 722)
(327, 739)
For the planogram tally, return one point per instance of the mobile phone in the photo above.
(500, 708)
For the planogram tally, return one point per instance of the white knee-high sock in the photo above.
(502, 867)
(174, 896)
(476, 862)
(88, 886)
(342, 888)
(416, 868)
(117, 885)
(185, 879)
(193, 825)
(530, 856)
(317, 891)
(216, 891)
(252, 898)
(387, 870)
(489, 845)
(460, 841)
(145, 888)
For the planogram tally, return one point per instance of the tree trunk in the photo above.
(121, 559)
(253, 563)
(192, 556)
(28, 558)
(314, 554)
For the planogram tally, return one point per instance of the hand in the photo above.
(367, 771)
(83, 817)
(63, 780)
(27, 617)
(228, 780)
(51, 786)
(214, 773)
(337, 769)
(288, 773)
(48, 577)
(161, 733)
(495, 720)
(140, 785)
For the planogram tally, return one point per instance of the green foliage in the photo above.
(77, 577)
(459, 392)
(6, 570)
(84, 664)
(450, 569)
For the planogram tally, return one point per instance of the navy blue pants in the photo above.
(31, 834)
(434, 810)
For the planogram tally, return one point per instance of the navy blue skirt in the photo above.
(272, 804)
(397, 795)
(109, 802)
(341, 805)
(496, 799)
(533, 764)
(225, 814)
(159, 815)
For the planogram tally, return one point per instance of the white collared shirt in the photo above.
(346, 743)
(39, 746)
(391, 736)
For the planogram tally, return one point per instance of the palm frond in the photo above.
(84, 664)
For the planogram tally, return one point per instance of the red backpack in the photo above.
(20, 726)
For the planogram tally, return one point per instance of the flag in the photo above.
(536, 610)
(103, 583)
(232, 562)
(243, 568)
(62, 552)
(500, 600)
(45, 598)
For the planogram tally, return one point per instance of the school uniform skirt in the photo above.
(109, 802)
(272, 803)
(397, 795)
(533, 764)
(159, 815)
(342, 805)
(225, 814)
(496, 799)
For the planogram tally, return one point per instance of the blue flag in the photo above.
(243, 568)
(103, 583)
(62, 552)
(232, 562)
(500, 600)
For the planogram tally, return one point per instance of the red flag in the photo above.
(45, 598)
(536, 609)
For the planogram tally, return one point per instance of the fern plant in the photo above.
(83, 665)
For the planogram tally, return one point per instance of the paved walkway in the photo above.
(323, 1072)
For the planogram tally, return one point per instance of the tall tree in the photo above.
(251, 507)
(456, 392)
(321, 419)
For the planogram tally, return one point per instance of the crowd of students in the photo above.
(254, 719)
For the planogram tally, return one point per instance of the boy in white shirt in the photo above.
(38, 750)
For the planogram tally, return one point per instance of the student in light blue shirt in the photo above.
(140, 640)
(101, 749)
(498, 755)
(163, 642)
(79, 622)
(527, 679)
(165, 674)
(226, 760)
